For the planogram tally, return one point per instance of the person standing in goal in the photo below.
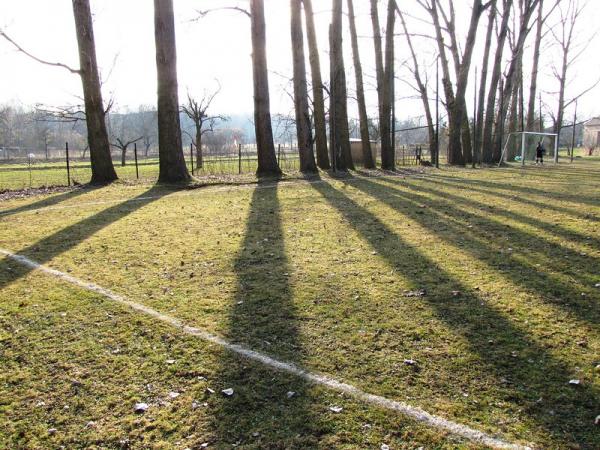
(539, 153)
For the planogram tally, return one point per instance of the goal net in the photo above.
(521, 147)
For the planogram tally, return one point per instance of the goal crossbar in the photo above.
(523, 135)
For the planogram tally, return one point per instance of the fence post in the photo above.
(240, 158)
(68, 167)
(192, 156)
(137, 173)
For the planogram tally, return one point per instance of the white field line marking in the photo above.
(323, 380)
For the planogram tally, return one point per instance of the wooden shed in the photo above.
(357, 152)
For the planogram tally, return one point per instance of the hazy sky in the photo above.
(216, 47)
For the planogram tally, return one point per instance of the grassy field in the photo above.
(485, 278)
(54, 173)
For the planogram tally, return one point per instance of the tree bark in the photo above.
(534, 68)
(453, 157)
(199, 159)
(103, 170)
(172, 167)
(512, 75)
(303, 128)
(368, 161)
(338, 111)
(421, 86)
(459, 133)
(477, 151)
(385, 74)
(384, 129)
(267, 159)
(487, 150)
(317, 88)
(388, 158)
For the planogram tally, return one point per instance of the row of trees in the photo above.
(501, 98)
(504, 104)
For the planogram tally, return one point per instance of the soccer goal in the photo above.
(521, 147)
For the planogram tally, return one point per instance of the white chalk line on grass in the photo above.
(413, 412)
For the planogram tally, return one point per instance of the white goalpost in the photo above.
(528, 141)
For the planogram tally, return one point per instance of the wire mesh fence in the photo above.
(35, 171)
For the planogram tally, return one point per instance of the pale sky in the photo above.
(216, 47)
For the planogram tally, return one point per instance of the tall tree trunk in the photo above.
(172, 167)
(368, 161)
(388, 158)
(513, 120)
(477, 155)
(199, 161)
(103, 170)
(384, 130)
(339, 133)
(317, 88)
(561, 94)
(534, 68)
(420, 84)
(457, 106)
(454, 157)
(123, 155)
(465, 135)
(512, 76)
(303, 128)
(487, 150)
(267, 159)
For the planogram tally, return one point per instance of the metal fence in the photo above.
(73, 167)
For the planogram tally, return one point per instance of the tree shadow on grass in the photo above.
(477, 186)
(551, 228)
(522, 191)
(478, 242)
(565, 413)
(264, 318)
(47, 201)
(67, 238)
(474, 186)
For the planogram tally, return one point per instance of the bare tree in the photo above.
(421, 86)
(197, 111)
(535, 66)
(477, 150)
(267, 160)
(385, 76)
(172, 167)
(488, 126)
(303, 126)
(102, 167)
(455, 101)
(368, 161)
(571, 49)
(101, 161)
(317, 88)
(123, 146)
(338, 109)
(146, 126)
(527, 8)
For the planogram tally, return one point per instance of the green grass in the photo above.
(316, 274)
(15, 176)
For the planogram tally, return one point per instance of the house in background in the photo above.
(591, 134)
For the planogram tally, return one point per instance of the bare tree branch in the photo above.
(35, 58)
